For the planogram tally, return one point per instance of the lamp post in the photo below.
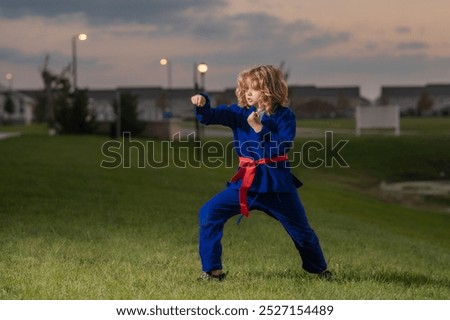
(9, 77)
(118, 114)
(166, 62)
(81, 37)
(202, 68)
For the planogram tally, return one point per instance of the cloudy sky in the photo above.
(368, 43)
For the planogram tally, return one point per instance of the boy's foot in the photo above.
(325, 275)
(210, 276)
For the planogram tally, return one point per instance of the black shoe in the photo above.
(325, 275)
(209, 276)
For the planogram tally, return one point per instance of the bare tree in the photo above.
(48, 79)
(424, 103)
(287, 72)
(66, 110)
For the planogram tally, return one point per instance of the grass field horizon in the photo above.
(70, 229)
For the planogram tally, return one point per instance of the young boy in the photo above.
(264, 129)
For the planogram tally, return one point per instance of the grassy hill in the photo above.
(70, 229)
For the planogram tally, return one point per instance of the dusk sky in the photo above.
(366, 43)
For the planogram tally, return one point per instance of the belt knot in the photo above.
(247, 172)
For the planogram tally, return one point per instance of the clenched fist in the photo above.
(255, 121)
(198, 100)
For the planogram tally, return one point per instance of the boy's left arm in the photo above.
(222, 115)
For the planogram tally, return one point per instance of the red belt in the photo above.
(246, 172)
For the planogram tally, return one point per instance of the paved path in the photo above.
(440, 187)
(6, 135)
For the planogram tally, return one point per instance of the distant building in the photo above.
(101, 101)
(440, 94)
(407, 98)
(325, 102)
(21, 106)
(156, 103)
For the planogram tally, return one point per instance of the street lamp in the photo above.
(202, 68)
(166, 62)
(9, 77)
(81, 37)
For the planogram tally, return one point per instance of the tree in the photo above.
(9, 105)
(48, 78)
(424, 103)
(314, 108)
(72, 114)
(39, 110)
(343, 104)
(286, 73)
(66, 110)
(129, 114)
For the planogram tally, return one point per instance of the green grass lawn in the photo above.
(70, 229)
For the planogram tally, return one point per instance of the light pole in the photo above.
(202, 68)
(118, 114)
(166, 62)
(81, 37)
(9, 77)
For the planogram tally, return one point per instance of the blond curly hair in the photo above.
(267, 79)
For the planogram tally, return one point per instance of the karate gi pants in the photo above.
(284, 207)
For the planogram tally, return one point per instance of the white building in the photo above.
(156, 103)
(407, 98)
(22, 107)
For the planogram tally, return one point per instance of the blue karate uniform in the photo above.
(273, 190)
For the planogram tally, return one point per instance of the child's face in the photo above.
(252, 95)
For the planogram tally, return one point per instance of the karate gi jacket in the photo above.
(275, 139)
